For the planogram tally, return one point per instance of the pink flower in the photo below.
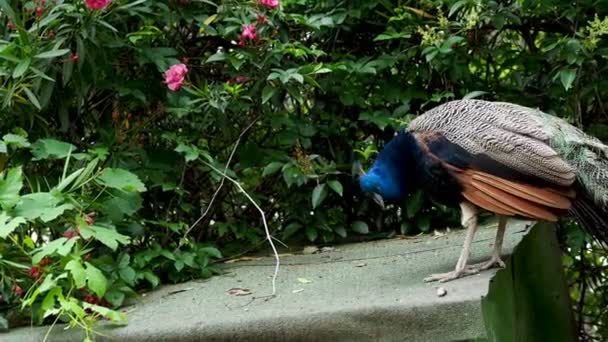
(174, 76)
(97, 5)
(249, 32)
(272, 4)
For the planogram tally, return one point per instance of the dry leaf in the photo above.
(239, 291)
(441, 292)
(297, 290)
(245, 258)
(304, 281)
(327, 249)
(361, 264)
(310, 250)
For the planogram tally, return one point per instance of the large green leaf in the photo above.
(61, 246)
(96, 281)
(9, 224)
(318, 195)
(43, 205)
(78, 273)
(10, 186)
(51, 149)
(121, 179)
(107, 236)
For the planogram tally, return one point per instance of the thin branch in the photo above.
(217, 191)
(268, 236)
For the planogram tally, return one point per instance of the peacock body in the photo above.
(501, 157)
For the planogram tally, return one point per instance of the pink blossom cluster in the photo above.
(272, 4)
(175, 75)
(97, 5)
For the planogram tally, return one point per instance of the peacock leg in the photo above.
(469, 220)
(495, 259)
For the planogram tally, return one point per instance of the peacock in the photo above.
(510, 160)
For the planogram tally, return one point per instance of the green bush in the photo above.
(120, 121)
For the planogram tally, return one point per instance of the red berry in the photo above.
(39, 12)
(74, 57)
(70, 233)
(35, 272)
(89, 220)
(18, 291)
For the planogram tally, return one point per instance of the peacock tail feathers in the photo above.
(524, 139)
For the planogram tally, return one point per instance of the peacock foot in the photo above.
(445, 277)
(495, 261)
(468, 270)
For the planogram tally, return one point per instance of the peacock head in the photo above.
(387, 178)
(382, 184)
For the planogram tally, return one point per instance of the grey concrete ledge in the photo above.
(370, 291)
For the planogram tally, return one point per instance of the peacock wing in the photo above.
(502, 138)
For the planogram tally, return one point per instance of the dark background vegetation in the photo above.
(95, 143)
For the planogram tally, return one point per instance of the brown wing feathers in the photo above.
(505, 197)
(511, 198)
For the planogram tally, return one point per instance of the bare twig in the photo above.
(217, 191)
(224, 177)
(268, 236)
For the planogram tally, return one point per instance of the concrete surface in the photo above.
(357, 292)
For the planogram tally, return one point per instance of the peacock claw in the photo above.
(449, 276)
(467, 271)
(494, 261)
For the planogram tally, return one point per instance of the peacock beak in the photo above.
(378, 199)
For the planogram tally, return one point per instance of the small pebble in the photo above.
(441, 292)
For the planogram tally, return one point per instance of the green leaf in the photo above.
(151, 278)
(336, 186)
(474, 94)
(191, 152)
(311, 233)
(291, 229)
(424, 223)
(52, 247)
(271, 168)
(567, 76)
(121, 179)
(52, 53)
(3, 147)
(21, 68)
(116, 298)
(267, 93)
(96, 281)
(51, 149)
(413, 204)
(318, 195)
(128, 275)
(456, 6)
(17, 140)
(43, 205)
(217, 57)
(211, 251)
(360, 227)
(340, 230)
(108, 237)
(32, 97)
(10, 186)
(9, 224)
(78, 273)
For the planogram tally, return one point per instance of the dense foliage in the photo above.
(119, 119)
